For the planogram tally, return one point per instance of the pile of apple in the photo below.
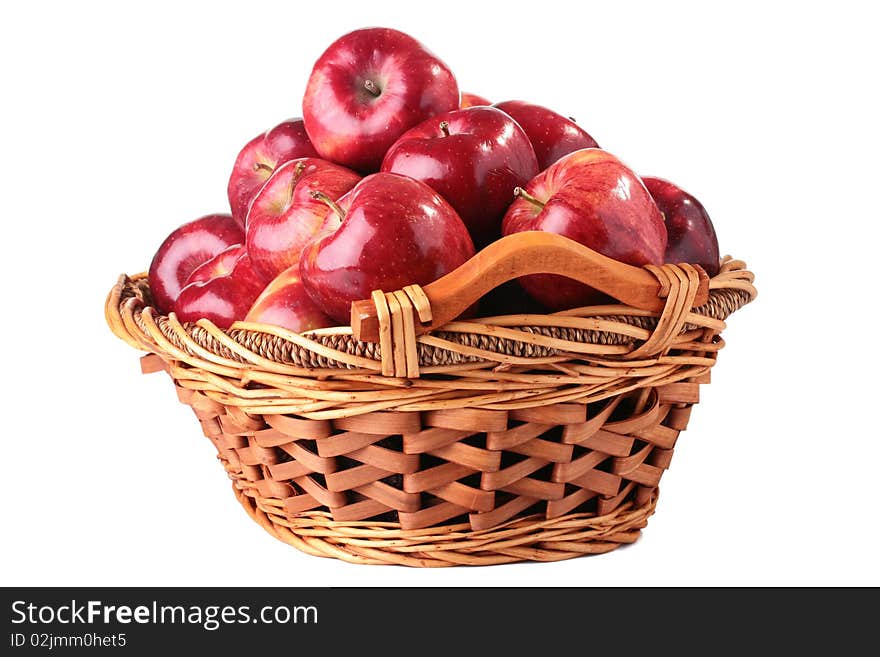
(394, 177)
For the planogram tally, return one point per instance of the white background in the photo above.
(120, 122)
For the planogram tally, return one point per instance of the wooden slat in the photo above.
(384, 423)
(432, 438)
(544, 449)
(430, 516)
(358, 476)
(474, 420)
(440, 475)
(496, 480)
(472, 457)
(554, 414)
(341, 444)
(299, 428)
(358, 510)
(515, 436)
(541, 490)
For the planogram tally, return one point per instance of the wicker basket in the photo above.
(413, 438)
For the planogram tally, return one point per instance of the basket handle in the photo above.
(521, 254)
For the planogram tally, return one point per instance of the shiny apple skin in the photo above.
(472, 100)
(259, 158)
(476, 166)
(397, 231)
(220, 265)
(691, 234)
(552, 135)
(223, 299)
(284, 216)
(187, 247)
(593, 198)
(285, 303)
(351, 126)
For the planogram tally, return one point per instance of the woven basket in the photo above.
(417, 439)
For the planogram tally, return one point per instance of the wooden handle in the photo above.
(521, 254)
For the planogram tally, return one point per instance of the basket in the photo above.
(415, 438)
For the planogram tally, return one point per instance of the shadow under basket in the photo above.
(417, 439)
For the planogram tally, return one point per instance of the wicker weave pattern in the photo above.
(507, 438)
(427, 468)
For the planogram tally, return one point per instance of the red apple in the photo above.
(286, 303)
(474, 158)
(186, 248)
(472, 100)
(691, 233)
(260, 157)
(551, 134)
(220, 265)
(388, 232)
(284, 216)
(224, 298)
(593, 198)
(367, 89)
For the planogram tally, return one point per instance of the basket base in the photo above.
(531, 538)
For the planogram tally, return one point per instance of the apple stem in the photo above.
(262, 166)
(444, 128)
(329, 202)
(298, 169)
(519, 192)
(370, 86)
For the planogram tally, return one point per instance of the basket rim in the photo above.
(601, 331)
